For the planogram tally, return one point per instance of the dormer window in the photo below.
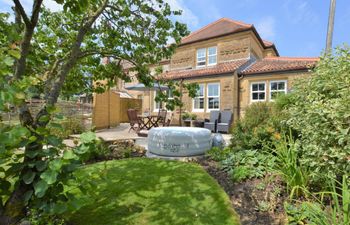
(206, 53)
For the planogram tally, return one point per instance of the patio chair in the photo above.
(135, 122)
(162, 117)
(225, 121)
(214, 118)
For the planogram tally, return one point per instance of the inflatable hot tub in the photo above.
(179, 141)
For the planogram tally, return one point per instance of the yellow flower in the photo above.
(277, 136)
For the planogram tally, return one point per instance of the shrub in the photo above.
(248, 164)
(258, 128)
(320, 113)
(218, 154)
(70, 125)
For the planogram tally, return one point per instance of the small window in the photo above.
(170, 94)
(156, 104)
(201, 57)
(277, 88)
(212, 56)
(258, 92)
(198, 101)
(213, 94)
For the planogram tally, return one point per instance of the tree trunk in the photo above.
(14, 208)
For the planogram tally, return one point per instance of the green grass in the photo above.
(148, 191)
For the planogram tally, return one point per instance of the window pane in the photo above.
(274, 86)
(201, 52)
(198, 103)
(170, 93)
(261, 96)
(201, 63)
(255, 87)
(213, 103)
(200, 91)
(255, 96)
(281, 85)
(212, 51)
(213, 90)
(262, 87)
(212, 59)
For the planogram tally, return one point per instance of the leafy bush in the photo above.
(188, 115)
(248, 164)
(320, 113)
(259, 127)
(218, 154)
(70, 125)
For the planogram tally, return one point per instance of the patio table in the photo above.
(148, 121)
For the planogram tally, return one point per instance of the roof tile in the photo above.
(221, 68)
(218, 28)
(274, 64)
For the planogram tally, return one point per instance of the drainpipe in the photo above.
(238, 95)
(180, 112)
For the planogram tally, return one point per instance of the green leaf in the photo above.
(5, 185)
(44, 118)
(28, 177)
(40, 188)
(69, 154)
(40, 165)
(8, 61)
(55, 165)
(28, 195)
(49, 176)
(53, 140)
(59, 208)
(32, 153)
(87, 137)
(14, 53)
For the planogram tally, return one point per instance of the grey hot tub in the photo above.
(179, 141)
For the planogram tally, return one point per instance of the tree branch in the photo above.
(74, 55)
(28, 34)
(20, 9)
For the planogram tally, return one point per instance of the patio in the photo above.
(121, 132)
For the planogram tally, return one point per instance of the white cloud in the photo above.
(299, 11)
(187, 15)
(266, 27)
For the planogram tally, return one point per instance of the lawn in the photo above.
(149, 191)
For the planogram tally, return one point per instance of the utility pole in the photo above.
(330, 27)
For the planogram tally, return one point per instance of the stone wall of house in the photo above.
(230, 47)
(245, 85)
(228, 96)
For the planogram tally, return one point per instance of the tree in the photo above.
(53, 51)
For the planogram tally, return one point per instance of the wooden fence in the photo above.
(109, 109)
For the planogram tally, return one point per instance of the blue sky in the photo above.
(297, 27)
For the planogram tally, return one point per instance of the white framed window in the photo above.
(212, 53)
(198, 101)
(213, 96)
(156, 104)
(258, 91)
(277, 87)
(201, 57)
